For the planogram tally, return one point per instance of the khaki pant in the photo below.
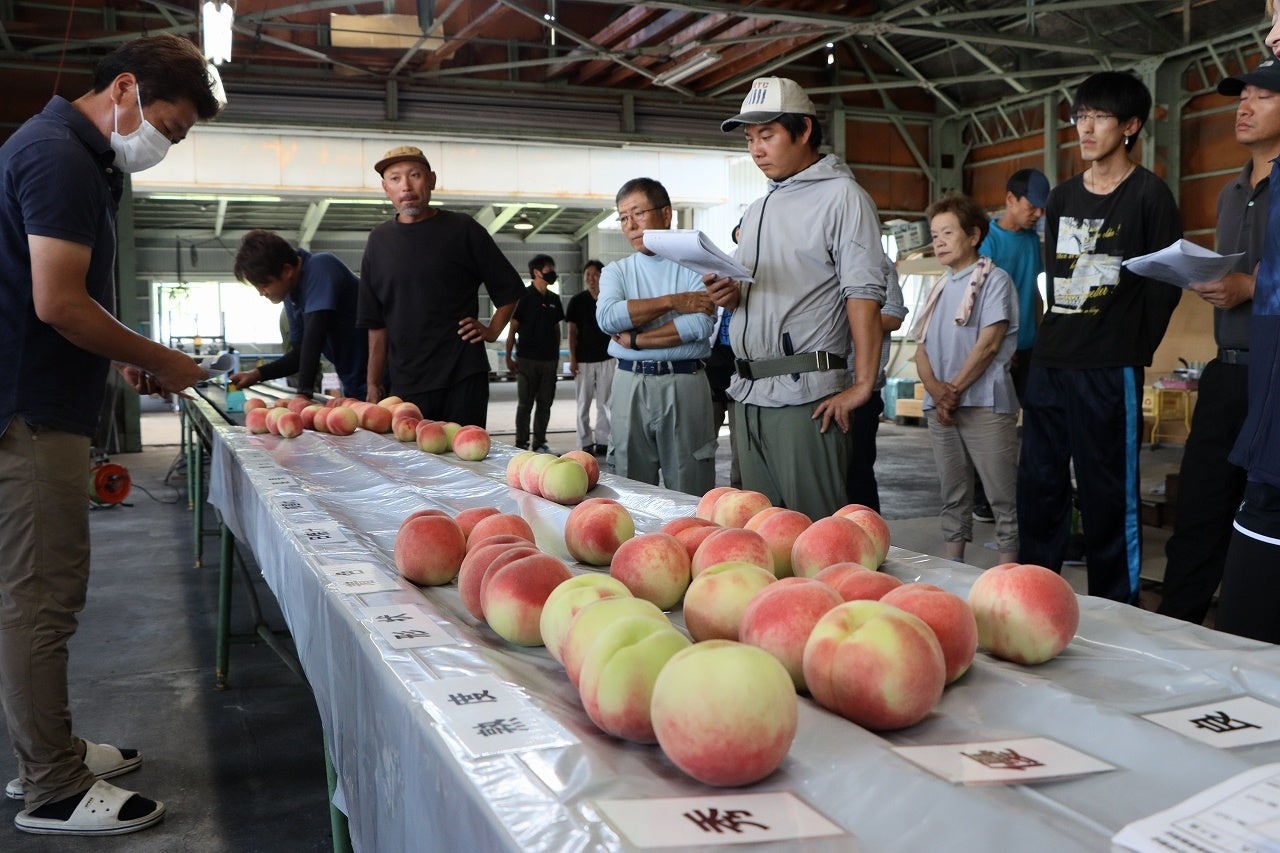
(663, 423)
(783, 455)
(594, 385)
(44, 575)
(988, 442)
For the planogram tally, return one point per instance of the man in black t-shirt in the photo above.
(419, 296)
(590, 363)
(535, 327)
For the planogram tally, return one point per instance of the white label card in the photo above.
(1240, 815)
(406, 626)
(293, 504)
(360, 577)
(329, 533)
(488, 717)
(1234, 722)
(1003, 762)
(712, 821)
(279, 481)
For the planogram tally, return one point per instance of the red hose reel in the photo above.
(108, 483)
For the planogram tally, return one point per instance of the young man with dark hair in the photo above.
(535, 333)
(319, 295)
(812, 244)
(1083, 402)
(590, 363)
(61, 178)
(420, 282)
(660, 319)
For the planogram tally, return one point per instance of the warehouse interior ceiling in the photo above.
(618, 72)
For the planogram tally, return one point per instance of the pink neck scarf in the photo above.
(980, 271)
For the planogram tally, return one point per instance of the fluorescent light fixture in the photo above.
(687, 69)
(523, 226)
(215, 21)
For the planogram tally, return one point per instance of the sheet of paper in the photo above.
(1003, 762)
(1183, 263)
(490, 718)
(713, 821)
(359, 578)
(216, 365)
(1240, 815)
(328, 533)
(692, 249)
(1241, 721)
(405, 626)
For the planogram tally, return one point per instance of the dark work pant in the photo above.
(1092, 419)
(535, 391)
(1249, 605)
(1209, 493)
(465, 402)
(861, 486)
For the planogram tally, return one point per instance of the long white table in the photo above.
(408, 785)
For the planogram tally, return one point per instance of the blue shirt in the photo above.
(56, 180)
(1019, 254)
(326, 284)
(642, 276)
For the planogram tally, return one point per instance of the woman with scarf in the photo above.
(966, 336)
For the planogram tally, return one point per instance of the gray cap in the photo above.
(769, 98)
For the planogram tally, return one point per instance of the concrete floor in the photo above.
(241, 770)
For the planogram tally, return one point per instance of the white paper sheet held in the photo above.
(692, 249)
(1240, 814)
(1182, 263)
(216, 365)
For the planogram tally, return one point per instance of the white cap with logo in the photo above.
(769, 98)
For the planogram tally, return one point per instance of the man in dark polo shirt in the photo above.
(420, 282)
(61, 178)
(590, 363)
(1209, 487)
(535, 333)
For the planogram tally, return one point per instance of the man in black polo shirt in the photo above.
(1209, 487)
(535, 326)
(590, 363)
(419, 296)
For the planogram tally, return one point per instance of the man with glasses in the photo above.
(1083, 402)
(319, 295)
(813, 246)
(660, 319)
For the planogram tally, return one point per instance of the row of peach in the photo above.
(565, 479)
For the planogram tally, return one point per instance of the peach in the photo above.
(405, 410)
(724, 712)
(827, 541)
(405, 429)
(491, 525)
(874, 664)
(480, 562)
(252, 403)
(707, 504)
(567, 599)
(297, 404)
(587, 461)
(781, 616)
(280, 403)
(470, 444)
(716, 599)
(864, 586)
(515, 464)
(675, 525)
(468, 518)
(342, 420)
(320, 420)
(1026, 613)
(273, 419)
(423, 513)
(833, 574)
(512, 596)
(780, 528)
(732, 544)
(308, 415)
(592, 619)
(873, 524)
(564, 481)
(692, 537)
(596, 528)
(654, 566)
(429, 550)
(431, 437)
(450, 430)
(375, 419)
(736, 508)
(618, 673)
(289, 424)
(531, 472)
(255, 420)
(391, 402)
(948, 615)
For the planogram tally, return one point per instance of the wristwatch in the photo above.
(634, 345)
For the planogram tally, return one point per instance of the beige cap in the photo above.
(399, 155)
(769, 98)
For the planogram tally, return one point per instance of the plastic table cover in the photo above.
(407, 784)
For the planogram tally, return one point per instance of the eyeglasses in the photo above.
(1092, 118)
(625, 219)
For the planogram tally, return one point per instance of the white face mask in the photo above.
(143, 148)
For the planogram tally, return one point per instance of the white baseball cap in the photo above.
(769, 98)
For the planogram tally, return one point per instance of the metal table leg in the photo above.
(226, 569)
(337, 820)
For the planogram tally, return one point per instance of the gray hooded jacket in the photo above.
(812, 242)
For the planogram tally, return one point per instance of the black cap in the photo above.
(1265, 76)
